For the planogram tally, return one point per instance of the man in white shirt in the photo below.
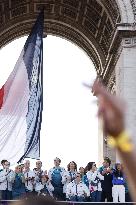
(7, 177)
(38, 173)
(77, 190)
(29, 177)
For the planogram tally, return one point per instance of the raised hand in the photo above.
(110, 109)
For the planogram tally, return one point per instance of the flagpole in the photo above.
(42, 85)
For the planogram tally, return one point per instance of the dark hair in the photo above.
(89, 166)
(3, 161)
(79, 174)
(57, 159)
(83, 168)
(116, 172)
(38, 161)
(107, 159)
(68, 166)
(46, 176)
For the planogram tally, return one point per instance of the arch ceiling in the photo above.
(90, 24)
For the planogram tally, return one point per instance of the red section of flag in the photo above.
(1, 96)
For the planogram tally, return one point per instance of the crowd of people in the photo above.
(90, 184)
(107, 183)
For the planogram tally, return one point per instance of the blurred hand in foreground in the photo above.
(110, 109)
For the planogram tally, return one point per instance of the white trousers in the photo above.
(118, 191)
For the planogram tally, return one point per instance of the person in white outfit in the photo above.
(7, 177)
(118, 189)
(84, 176)
(95, 178)
(77, 190)
(38, 173)
(2, 163)
(29, 177)
(70, 175)
(45, 188)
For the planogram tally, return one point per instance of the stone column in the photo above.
(107, 151)
(126, 81)
(101, 153)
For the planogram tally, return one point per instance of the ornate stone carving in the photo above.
(94, 20)
(133, 3)
(129, 42)
(112, 83)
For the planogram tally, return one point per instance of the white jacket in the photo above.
(6, 179)
(74, 189)
(67, 178)
(38, 175)
(93, 177)
(29, 184)
(40, 186)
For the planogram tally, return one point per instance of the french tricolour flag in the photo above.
(21, 101)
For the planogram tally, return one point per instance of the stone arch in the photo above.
(96, 26)
(88, 23)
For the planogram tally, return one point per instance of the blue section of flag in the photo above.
(33, 59)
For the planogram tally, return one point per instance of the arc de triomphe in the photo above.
(104, 29)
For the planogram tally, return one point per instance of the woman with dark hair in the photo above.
(84, 176)
(118, 189)
(69, 175)
(94, 178)
(72, 166)
(88, 170)
(89, 166)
